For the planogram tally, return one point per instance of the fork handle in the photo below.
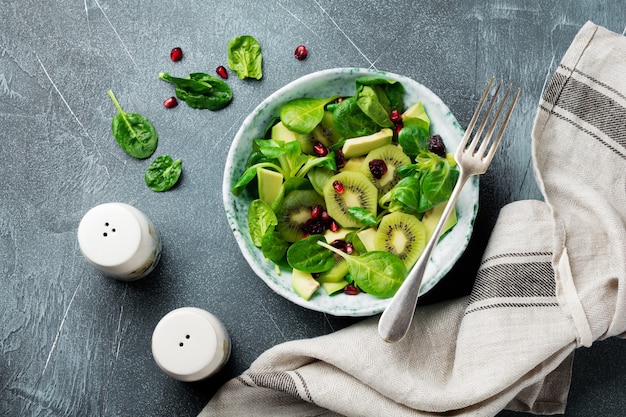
(396, 319)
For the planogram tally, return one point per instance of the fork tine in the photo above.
(503, 126)
(476, 139)
(474, 119)
(486, 141)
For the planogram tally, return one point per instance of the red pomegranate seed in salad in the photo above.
(399, 127)
(170, 103)
(334, 227)
(319, 149)
(349, 248)
(339, 244)
(221, 71)
(300, 53)
(316, 211)
(340, 159)
(338, 186)
(326, 217)
(395, 116)
(351, 290)
(176, 54)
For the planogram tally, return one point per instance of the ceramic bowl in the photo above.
(341, 81)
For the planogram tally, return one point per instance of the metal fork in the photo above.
(472, 159)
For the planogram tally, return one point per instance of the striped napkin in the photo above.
(553, 278)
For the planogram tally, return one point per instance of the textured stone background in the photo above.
(73, 342)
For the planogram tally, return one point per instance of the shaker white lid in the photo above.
(190, 344)
(109, 235)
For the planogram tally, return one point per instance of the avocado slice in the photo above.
(367, 238)
(353, 164)
(304, 284)
(416, 115)
(363, 144)
(333, 287)
(269, 184)
(432, 216)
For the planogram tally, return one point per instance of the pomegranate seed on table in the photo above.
(338, 186)
(221, 71)
(300, 53)
(170, 103)
(176, 54)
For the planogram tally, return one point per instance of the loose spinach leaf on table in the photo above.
(200, 90)
(377, 273)
(133, 132)
(245, 58)
(303, 114)
(163, 173)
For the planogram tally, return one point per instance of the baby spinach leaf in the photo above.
(306, 255)
(437, 185)
(200, 90)
(133, 132)
(374, 103)
(245, 58)
(303, 114)
(261, 218)
(363, 216)
(274, 245)
(378, 273)
(163, 173)
(393, 90)
(350, 121)
(404, 196)
(413, 138)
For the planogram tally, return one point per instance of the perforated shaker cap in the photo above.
(190, 344)
(109, 236)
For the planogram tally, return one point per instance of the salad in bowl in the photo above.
(334, 184)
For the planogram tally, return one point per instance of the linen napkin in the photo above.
(552, 279)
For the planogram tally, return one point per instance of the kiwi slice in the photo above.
(295, 211)
(346, 190)
(403, 235)
(393, 157)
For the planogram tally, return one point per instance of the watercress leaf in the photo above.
(261, 218)
(274, 246)
(327, 162)
(350, 121)
(302, 115)
(200, 90)
(306, 255)
(245, 57)
(363, 216)
(163, 173)
(374, 103)
(133, 132)
(413, 138)
(377, 273)
(404, 196)
(271, 148)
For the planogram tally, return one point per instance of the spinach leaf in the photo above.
(302, 115)
(163, 173)
(245, 58)
(363, 216)
(306, 255)
(437, 185)
(133, 132)
(274, 246)
(261, 218)
(374, 103)
(200, 90)
(392, 89)
(413, 138)
(350, 121)
(404, 196)
(377, 273)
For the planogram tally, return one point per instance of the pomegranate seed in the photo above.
(349, 248)
(176, 54)
(338, 186)
(378, 168)
(326, 217)
(315, 275)
(334, 227)
(436, 146)
(395, 116)
(316, 212)
(300, 52)
(339, 244)
(340, 159)
(221, 71)
(351, 290)
(170, 103)
(340, 99)
(399, 127)
(320, 149)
